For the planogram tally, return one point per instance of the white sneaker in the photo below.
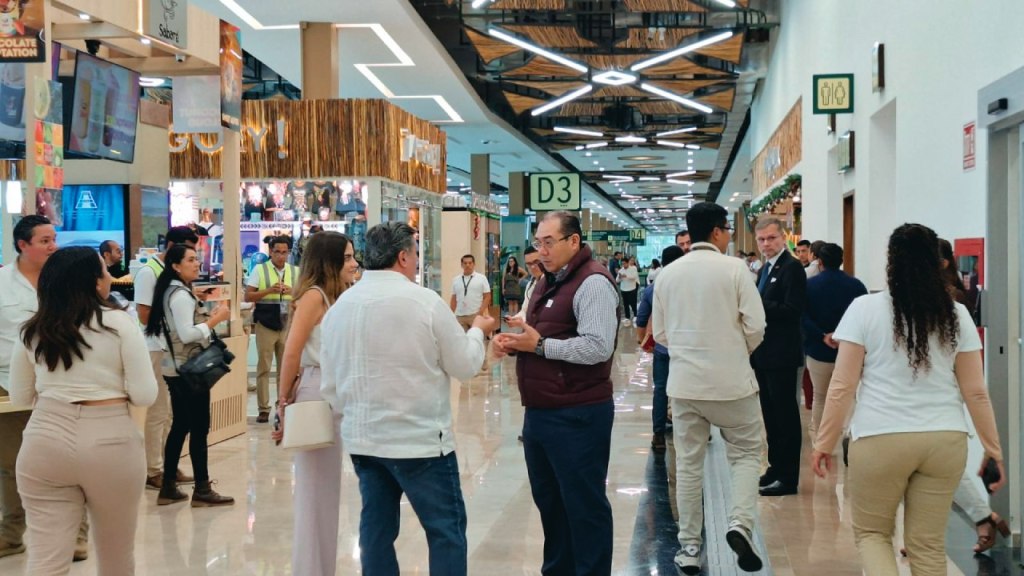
(688, 560)
(739, 540)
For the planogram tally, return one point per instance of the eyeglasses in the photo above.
(548, 243)
(534, 263)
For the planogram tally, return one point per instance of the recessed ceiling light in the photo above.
(677, 174)
(597, 161)
(693, 147)
(580, 131)
(645, 166)
(674, 181)
(145, 41)
(588, 154)
(649, 179)
(596, 145)
(679, 131)
(578, 148)
(614, 78)
(84, 16)
(148, 82)
(671, 144)
(641, 157)
(631, 139)
(601, 168)
(689, 153)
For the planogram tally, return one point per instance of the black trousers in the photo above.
(629, 303)
(781, 413)
(191, 417)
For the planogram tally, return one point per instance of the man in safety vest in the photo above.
(270, 287)
(158, 416)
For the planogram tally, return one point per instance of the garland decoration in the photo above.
(790, 187)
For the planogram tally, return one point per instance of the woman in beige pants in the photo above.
(80, 363)
(912, 357)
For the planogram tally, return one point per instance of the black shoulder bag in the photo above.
(204, 368)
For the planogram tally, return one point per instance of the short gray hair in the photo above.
(767, 221)
(385, 241)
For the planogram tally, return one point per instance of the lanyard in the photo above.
(465, 285)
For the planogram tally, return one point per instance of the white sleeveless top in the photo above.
(311, 352)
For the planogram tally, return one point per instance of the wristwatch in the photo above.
(539, 350)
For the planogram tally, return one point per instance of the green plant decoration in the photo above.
(790, 187)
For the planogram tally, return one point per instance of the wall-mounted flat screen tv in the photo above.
(92, 214)
(105, 110)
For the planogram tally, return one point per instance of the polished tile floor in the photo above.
(807, 534)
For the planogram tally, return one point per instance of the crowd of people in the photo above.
(729, 350)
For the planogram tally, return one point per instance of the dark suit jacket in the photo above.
(784, 299)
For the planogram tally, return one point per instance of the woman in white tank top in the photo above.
(328, 267)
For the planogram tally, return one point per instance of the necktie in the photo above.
(764, 277)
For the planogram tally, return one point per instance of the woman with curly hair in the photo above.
(912, 357)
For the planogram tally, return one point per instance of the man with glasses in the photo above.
(564, 368)
(709, 316)
(158, 415)
(270, 287)
(783, 287)
(471, 293)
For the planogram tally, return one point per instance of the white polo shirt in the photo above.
(18, 302)
(469, 293)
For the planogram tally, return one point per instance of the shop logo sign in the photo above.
(167, 21)
(256, 135)
(86, 201)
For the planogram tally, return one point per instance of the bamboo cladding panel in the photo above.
(528, 5)
(490, 48)
(663, 6)
(782, 153)
(643, 39)
(554, 88)
(552, 36)
(309, 139)
(541, 66)
(12, 170)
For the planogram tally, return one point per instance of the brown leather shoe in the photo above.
(184, 478)
(204, 497)
(170, 495)
(81, 552)
(154, 482)
(263, 418)
(11, 549)
(658, 442)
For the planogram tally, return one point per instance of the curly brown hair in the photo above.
(921, 302)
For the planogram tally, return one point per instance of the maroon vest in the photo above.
(547, 383)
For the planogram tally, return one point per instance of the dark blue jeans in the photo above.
(660, 412)
(567, 459)
(433, 488)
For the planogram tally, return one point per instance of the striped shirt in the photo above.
(595, 306)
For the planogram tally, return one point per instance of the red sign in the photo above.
(970, 130)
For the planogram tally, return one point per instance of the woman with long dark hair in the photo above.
(949, 273)
(81, 362)
(328, 268)
(177, 317)
(912, 357)
(510, 288)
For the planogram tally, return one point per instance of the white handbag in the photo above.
(308, 425)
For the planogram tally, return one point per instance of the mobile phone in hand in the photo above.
(990, 475)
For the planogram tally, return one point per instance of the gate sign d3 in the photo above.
(833, 93)
(554, 191)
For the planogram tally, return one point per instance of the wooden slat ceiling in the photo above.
(521, 103)
(490, 48)
(638, 38)
(541, 66)
(722, 100)
(684, 87)
(620, 92)
(528, 5)
(681, 67)
(553, 36)
(554, 88)
(731, 50)
(663, 6)
(667, 127)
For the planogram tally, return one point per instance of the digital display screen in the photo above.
(105, 112)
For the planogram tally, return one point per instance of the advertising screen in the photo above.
(91, 214)
(105, 111)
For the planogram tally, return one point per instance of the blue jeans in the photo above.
(660, 412)
(433, 488)
(567, 453)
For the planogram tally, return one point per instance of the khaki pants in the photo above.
(269, 346)
(158, 420)
(78, 458)
(920, 468)
(742, 429)
(466, 321)
(12, 526)
(821, 376)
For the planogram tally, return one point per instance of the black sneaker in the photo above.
(739, 540)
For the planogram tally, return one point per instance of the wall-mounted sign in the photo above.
(970, 133)
(167, 21)
(638, 236)
(597, 236)
(878, 67)
(833, 93)
(618, 235)
(230, 76)
(845, 153)
(555, 191)
(21, 25)
(196, 104)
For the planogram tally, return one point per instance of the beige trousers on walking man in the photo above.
(269, 346)
(158, 420)
(821, 376)
(922, 468)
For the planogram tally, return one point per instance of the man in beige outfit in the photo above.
(708, 313)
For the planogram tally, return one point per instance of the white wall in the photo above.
(938, 55)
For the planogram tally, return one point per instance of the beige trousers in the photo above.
(821, 376)
(12, 526)
(466, 321)
(158, 420)
(76, 458)
(923, 470)
(742, 429)
(269, 346)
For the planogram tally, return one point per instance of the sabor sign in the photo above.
(167, 21)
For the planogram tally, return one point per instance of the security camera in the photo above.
(180, 58)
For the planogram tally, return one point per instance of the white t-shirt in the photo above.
(629, 278)
(145, 283)
(890, 398)
(469, 293)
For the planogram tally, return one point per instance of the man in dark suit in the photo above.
(783, 287)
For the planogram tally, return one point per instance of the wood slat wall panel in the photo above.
(731, 50)
(325, 139)
(637, 38)
(581, 109)
(552, 36)
(541, 66)
(529, 5)
(663, 6)
(489, 48)
(520, 103)
(787, 143)
(553, 88)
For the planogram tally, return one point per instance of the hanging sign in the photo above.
(833, 93)
(21, 24)
(196, 104)
(638, 236)
(970, 142)
(230, 77)
(555, 191)
(167, 21)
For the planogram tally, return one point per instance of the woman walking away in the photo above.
(911, 357)
(180, 320)
(80, 362)
(328, 268)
